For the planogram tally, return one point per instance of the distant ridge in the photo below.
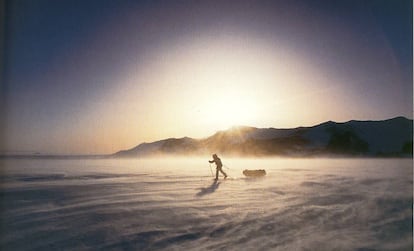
(385, 138)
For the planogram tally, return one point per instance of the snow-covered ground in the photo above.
(173, 204)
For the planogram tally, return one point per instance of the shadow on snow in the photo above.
(210, 189)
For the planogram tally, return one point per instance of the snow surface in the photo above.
(173, 204)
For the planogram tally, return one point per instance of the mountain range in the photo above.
(386, 138)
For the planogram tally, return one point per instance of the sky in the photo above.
(96, 77)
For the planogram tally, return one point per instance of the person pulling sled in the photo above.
(219, 166)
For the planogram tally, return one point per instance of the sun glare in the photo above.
(204, 85)
(229, 108)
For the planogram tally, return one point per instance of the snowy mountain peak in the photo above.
(392, 137)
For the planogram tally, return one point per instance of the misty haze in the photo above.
(116, 117)
(174, 204)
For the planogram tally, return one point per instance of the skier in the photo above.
(219, 165)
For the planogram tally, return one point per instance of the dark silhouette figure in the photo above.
(219, 165)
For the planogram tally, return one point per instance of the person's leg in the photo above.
(225, 175)
(217, 170)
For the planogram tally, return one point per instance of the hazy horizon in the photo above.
(95, 77)
(172, 155)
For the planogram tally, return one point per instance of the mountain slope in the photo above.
(391, 137)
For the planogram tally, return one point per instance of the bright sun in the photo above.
(207, 84)
(229, 108)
